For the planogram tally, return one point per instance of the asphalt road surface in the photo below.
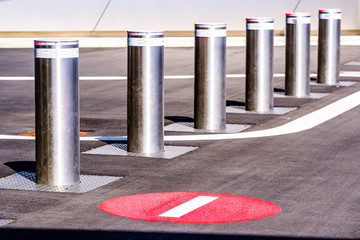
(312, 175)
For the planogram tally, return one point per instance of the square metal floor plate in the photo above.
(312, 95)
(3, 222)
(189, 127)
(277, 110)
(352, 63)
(121, 150)
(27, 181)
(342, 83)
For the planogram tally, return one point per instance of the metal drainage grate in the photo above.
(121, 150)
(3, 222)
(189, 127)
(27, 181)
(312, 95)
(277, 110)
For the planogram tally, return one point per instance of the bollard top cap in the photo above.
(329, 10)
(260, 19)
(210, 25)
(145, 33)
(55, 42)
(298, 14)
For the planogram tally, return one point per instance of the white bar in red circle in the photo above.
(188, 206)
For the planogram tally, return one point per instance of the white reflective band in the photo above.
(56, 52)
(330, 15)
(305, 20)
(260, 26)
(146, 41)
(210, 32)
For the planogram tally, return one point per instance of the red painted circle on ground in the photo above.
(189, 207)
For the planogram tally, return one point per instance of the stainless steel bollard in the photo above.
(210, 76)
(145, 109)
(297, 69)
(259, 64)
(329, 46)
(57, 112)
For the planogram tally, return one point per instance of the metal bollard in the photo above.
(57, 112)
(145, 107)
(329, 46)
(210, 76)
(297, 69)
(259, 64)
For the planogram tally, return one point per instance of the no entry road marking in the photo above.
(188, 206)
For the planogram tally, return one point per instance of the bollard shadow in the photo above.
(279, 90)
(234, 103)
(313, 79)
(179, 118)
(26, 169)
(22, 166)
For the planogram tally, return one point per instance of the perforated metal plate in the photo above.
(277, 110)
(189, 127)
(312, 95)
(27, 181)
(342, 83)
(121, 149)
(3, 222)
(353, 63)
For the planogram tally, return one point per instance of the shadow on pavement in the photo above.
(22, 166)
(179, 118)
(94, 234)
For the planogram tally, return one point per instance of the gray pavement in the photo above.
(312, 175)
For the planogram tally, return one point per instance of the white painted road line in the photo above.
(349, 74)
(19, 78)
(188, 206)
(303, 123)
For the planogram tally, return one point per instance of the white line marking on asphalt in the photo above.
(188, 206)
(303, 123)
(19, 78)
(350, 74)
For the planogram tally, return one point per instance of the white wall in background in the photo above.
(121, 15)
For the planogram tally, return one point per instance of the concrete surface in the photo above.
(312, 175)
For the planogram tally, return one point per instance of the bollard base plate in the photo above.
(277, 110)
(189, 127)
(27, 181)
(341, 83)
(121, 150)
(312, 95)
